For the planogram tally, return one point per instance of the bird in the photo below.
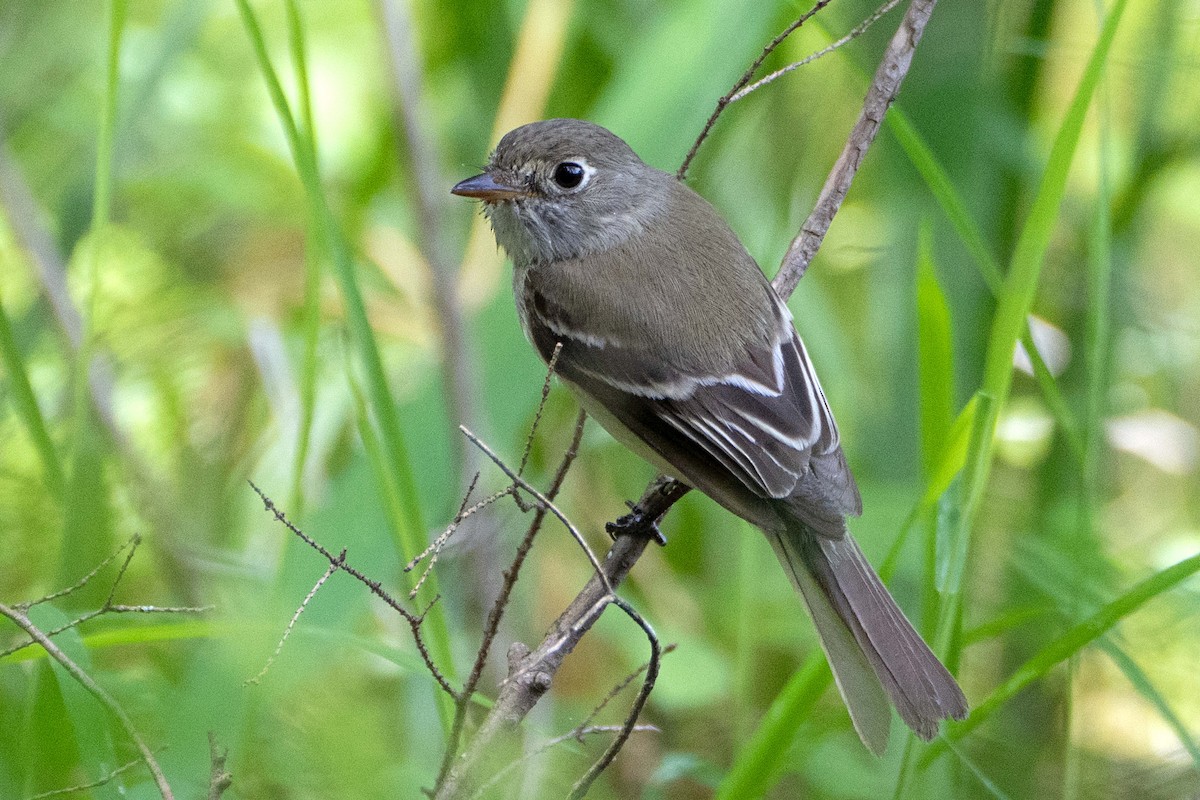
(671, 337)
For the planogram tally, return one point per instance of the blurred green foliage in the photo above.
(202, 285)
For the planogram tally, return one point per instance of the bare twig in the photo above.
(500, 604)
(339, 563)
(581, 787)
(132, 542)
(742, 82)
(884, 89)
(620, 687)
(85, 786)
(21, 619)
(857, 31)
(537, 417)
(530, 672)
(543, 501)
(435, 547)
(115, 609)
(295, 617)
(219, 777)
(576, 734)
(109, 606)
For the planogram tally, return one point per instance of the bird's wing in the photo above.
(762, 422)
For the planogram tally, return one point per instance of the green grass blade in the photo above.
(1021, 283)
(411, 534)
(1067, 645)
(375, 455)
(1146, 688)
(935, 353)
(1016, 298)
(949, 465)
(953, 557)
(955, 209)
(310, 320)
(979, 774)
(759, 761)
(300, 61)
(89, 719)
(310, 331)
(27, 408)
(954, 453)
(942, 189)
(102, 190)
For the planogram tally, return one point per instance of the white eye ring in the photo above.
(572, 174)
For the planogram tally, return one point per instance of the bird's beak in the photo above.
(484, 187)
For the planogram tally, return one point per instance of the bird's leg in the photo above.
(646, 513)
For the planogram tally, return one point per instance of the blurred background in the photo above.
(157, 223)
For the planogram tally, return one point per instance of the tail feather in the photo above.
(873, 649)
(852, 671)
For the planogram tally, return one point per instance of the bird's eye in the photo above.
(568, 174)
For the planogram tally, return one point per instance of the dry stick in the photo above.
(333, 567)
(541, 498)
(577, 735)
(219, 779)
(83, 787)
(132, 541)
(96, 690)
(530, 672)
(857, 31)
(616, 690)
(537, 417)
(496, 615)
(741, 84)
(884, 89)
(437, 543)
(581, 787)
(109, 606)
(414, 620)
(530, 675)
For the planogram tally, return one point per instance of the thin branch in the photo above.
(576, 734)
(857, 31)
(435, 547)
(541, 498)
(537, 417)
(257, 679)
(109, 606)
(132, 542)
(85, 786)
(581, 787)
(620, 687)
(884, 89)
(741, 83)
(21, 619)
(219, 777)
(530, 672)
(496, 615)
(414, 620)
(91, 615)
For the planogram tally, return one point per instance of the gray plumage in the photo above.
(675, 342)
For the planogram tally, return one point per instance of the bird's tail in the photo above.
(875, 654)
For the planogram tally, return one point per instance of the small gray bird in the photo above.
(674, 341)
